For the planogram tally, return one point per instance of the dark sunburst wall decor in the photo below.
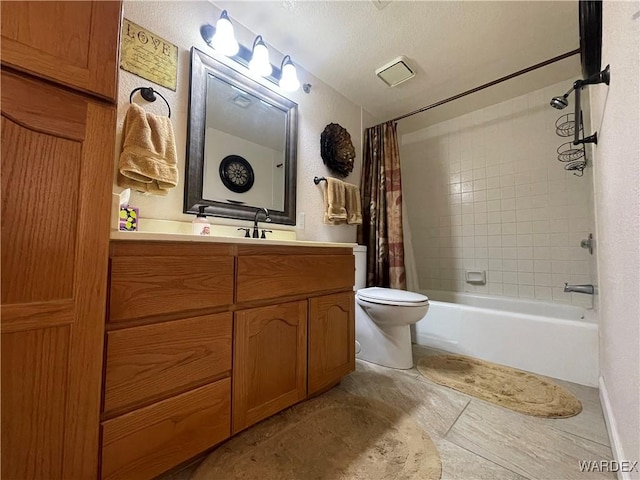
(336, 149)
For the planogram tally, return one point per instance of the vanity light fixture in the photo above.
(224, 40)
(289, 80)
(259, 63)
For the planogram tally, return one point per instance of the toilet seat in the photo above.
(392, 296)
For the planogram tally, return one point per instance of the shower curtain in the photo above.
(381, 229)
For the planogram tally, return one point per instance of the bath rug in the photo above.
(335, 436)
(508, 387)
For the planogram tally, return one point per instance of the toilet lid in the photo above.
(392, 296)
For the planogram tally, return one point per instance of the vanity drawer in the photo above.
(152, 361)
(272, 276)
(146, 442)
(143, 286)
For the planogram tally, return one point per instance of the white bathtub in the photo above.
(551, 339)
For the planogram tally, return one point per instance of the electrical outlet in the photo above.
(301, 219)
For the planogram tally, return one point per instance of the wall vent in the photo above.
(396, 71)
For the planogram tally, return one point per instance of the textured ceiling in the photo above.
(454, 46)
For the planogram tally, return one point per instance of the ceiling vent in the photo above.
(380, 4)
(396, 71)
(243, 101)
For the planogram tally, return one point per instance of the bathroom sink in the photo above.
(181, 237)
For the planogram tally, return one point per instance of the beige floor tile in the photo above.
(524, 444)
(481, 441)
(435, 408)
(460, 464)
(183, 473)
(587, 424)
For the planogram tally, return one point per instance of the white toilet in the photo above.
(383, 319)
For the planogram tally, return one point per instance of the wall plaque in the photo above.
(147, 55)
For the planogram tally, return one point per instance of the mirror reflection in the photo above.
(242, 140)
(244, 151)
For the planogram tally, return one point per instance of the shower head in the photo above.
(559, 102)
(600, 77)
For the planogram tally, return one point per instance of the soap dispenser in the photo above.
(200, 224)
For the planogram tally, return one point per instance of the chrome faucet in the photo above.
(256, 234)
(588, 289)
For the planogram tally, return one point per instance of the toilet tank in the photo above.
(360, 252)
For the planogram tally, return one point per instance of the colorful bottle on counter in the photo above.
(200, 224)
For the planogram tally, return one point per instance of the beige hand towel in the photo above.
(334, 200)
(353, 204)
(148, 159)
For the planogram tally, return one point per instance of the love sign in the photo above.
(147, 55)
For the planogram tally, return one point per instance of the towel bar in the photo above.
(149, 94)
(317, 180)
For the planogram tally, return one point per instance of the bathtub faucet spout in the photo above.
(588, 289)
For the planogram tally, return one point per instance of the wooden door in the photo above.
(331, 353)
(57, 156)
(73, 43)
(269, 361)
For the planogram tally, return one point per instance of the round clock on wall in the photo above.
(236, 173)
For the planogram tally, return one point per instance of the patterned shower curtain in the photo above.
(381, 229)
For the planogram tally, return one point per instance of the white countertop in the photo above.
(179, 237)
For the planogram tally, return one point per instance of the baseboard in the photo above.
(612, 429)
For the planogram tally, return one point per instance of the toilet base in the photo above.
(389, 346)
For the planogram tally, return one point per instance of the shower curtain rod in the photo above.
(490, 84)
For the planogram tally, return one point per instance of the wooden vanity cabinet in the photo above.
(149, 362)
(269, 361)
(276, 350)
(56, 168)
(168, 361)
(206, 339)
(70, 43)
(151, 440)
(331, 340)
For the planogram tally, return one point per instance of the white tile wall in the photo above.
(485, 191)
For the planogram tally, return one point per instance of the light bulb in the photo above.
(224, 40)
(289, 80)
(260, 64)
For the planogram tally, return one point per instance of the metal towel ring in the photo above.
(149, 94)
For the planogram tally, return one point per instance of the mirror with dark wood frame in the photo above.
(241, 145)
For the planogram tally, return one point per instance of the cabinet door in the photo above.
(56, 168)
(331, 339)
(269, 361)
(73, 43)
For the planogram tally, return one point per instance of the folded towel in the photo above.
(353, 204)
(334, 199)
(148, 159)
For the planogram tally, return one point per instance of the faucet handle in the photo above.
(264, 232)
(246, 231)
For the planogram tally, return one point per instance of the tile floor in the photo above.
(478, 440)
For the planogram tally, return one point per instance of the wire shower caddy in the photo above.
(573, 156)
